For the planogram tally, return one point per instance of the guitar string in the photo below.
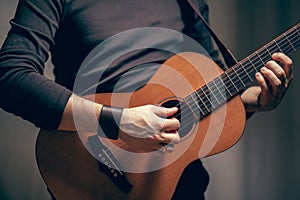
(261, 60)
(285, 49)
(257, 57)
(186, 112)
(234, 80)
(261, 57)
(272, 45)
(281, 39)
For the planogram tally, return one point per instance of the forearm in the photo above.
(142, 128)
(80, 115)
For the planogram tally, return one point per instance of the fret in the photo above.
(207, 97)
(200, 98)
(247, 68)
(286, 47)
(241, 64)
(226, 86)
(264, 55)
(197, 103)
(218, 88)
(297, 30)
(237, 69)
(256, 52)
(235, 79)
(289, 41)
(268, 50)
(272, 49)
(236, 90)
(233, 68)
(285, 42)
(298, 40)
(251, 63)
(212, 92)
(194, 105)
(297, 44)
(238, 77)
(277, 46)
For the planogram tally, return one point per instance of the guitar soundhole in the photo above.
(184, 115)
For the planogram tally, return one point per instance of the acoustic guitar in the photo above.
(212, 119)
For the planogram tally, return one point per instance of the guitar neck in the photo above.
(240, 76)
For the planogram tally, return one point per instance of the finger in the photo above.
(262, 83)
(167, 149)
(163, 123)
(277, 70)
(275, 82)
(166, 138)
(164, 112)
(172, 138)
(287, 64)
(170, 124)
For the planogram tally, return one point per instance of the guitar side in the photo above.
(71, 172)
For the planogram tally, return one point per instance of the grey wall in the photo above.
(263, 165)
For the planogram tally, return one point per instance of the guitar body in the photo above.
(71, 172)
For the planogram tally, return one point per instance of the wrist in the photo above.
(251, 99)
(109, 121)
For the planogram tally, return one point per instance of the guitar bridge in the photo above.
(108, 164)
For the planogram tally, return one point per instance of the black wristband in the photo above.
(109, 121)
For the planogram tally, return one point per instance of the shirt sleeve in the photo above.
(24, 90)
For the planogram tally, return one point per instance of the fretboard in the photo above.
(237, 78)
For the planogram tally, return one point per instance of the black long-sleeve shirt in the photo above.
(69, 30)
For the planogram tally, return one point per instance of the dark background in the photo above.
(262, 166)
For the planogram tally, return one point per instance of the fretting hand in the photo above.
(273, 81)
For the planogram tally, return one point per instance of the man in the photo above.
(70, 30)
